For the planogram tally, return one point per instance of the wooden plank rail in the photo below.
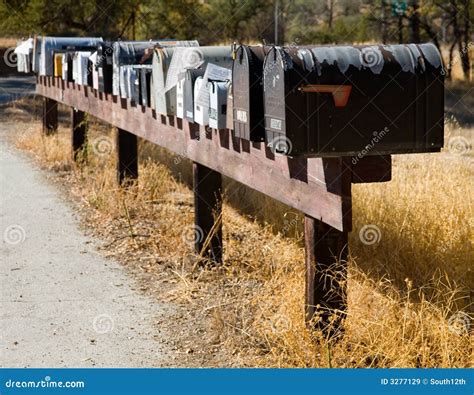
(318, 187)
(315, 186)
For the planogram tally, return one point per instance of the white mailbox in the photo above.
(180, 96)
(201, 113)
(218, 104)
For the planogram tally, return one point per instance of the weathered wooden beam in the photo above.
(50, 116)
(314, 186)
(208, 212)
(78, 134)
(326, 276)
(127, 157)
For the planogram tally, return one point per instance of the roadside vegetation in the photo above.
(410, 287)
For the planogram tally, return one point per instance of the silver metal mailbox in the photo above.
(135, 52)
(180, 96)
(51, 44)
(202, 56)
(164, 101)
(81, 70)
(218, 104)
(201, 113)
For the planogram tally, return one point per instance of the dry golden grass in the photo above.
(408, 294)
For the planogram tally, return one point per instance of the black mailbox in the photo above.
(348, 100)
(247, 86)
(104, 66)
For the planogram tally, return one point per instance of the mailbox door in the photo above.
(286, 112)
(70, 66)
(36, 54)
(134, 81)
(201, 113)
(145, 87)
(64, 67)
(218, 104)
(247, 73)
(230, 105)
(165, 102)
(188, 92)
(180, 97)
(104, 67)
(58, 64)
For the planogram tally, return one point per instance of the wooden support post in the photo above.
(207, 209)
(50, 116)
(326, 276)
(127, 157)
(79, 134)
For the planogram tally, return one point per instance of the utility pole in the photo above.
(276, 20)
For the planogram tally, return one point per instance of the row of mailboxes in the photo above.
(311, 101)
(333, 101)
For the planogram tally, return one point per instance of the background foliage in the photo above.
(446, 23)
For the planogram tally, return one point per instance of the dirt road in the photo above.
(15, 87)
(62, 304)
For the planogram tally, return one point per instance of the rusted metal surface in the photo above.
(318, 187)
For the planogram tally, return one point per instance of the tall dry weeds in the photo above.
(409, 291)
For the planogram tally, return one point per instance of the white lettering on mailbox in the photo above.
(275, 123)
(241, 116)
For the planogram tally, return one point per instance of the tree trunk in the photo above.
(414, 23)
(464, 51)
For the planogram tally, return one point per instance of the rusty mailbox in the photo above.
(344, 100)
(247, 89)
